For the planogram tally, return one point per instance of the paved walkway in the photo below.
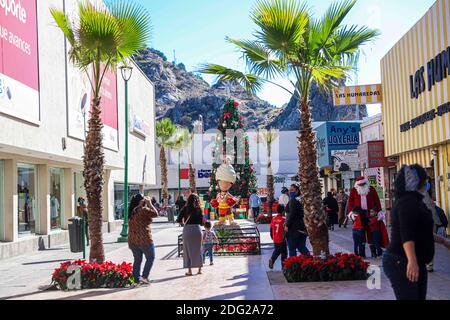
(229, 278)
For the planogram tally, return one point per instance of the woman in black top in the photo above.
(412, 242)
(331, 208)
(192, 218)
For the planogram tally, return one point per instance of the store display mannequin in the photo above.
(226, 177)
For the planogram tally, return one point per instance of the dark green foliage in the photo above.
(246, 179)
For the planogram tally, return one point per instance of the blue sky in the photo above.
(196, 30)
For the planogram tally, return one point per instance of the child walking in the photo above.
(277, 233)
(208, 240)
(360, 225)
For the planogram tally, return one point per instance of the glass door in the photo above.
(56, 197)
(27, 214)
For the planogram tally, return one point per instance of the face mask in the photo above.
(428, 187)
(292, 195)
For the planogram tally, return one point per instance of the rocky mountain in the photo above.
(322, 109)
(183, 96)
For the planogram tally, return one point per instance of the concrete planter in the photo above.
(337, 290)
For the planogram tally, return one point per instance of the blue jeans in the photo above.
(394, 267)
(359, 244)
(296, 241)
(208, 249)
(255, 211)
(376, 239)
(138, 252)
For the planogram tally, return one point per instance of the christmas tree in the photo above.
(233, 143)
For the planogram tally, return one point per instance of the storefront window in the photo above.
(56, 202)
(27, 194)
(118, 198)
(80, 192)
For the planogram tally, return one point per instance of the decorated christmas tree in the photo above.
(232, 143)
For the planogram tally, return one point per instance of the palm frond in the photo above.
(99, 31)
(347, 40)
(323, 29)
(282, 23)
(181, 139)
(64, 24)
(134, 23)
(164, 131)
(252, 83)
(259, 59)
(327, 75)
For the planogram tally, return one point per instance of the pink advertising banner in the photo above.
(108, 93)
(19, 66)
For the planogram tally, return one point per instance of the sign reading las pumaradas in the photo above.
(19, 71)
(364, 94)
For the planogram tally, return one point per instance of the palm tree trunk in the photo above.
(163, 163)
(93, 181)
(270, 188)
(310, 187)
(192, 183)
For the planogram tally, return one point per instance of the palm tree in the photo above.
(182, 140)
(267, 137)
(100, 39)
(165, 130)
(292, 44)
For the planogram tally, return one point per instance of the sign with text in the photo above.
(345, 160)
(19, 64)
(364, 94)
(343, 134)
(80, 95)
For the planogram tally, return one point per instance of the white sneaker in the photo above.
(144, 280)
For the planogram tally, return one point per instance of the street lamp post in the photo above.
(126, 72)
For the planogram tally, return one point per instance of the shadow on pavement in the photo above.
(42, 289)
(95, 293)
(47, 261)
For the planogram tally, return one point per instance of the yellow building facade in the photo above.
(416, 98)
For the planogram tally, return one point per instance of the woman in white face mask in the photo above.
(412, 241)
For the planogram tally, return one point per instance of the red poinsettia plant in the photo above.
(244, 245)
(338, 267)
(263, 219)
(94, 275)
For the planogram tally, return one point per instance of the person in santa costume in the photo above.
(366, 197)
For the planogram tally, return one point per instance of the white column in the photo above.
(10, 201)
(44, 199)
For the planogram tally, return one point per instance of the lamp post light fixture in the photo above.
(126, 72)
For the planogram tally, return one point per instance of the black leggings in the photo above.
(394, 267)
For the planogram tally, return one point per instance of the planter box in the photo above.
(233, 241)
(337, 290)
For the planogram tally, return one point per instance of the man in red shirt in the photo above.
(277, 233)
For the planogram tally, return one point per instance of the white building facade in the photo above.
(44, 103)
(284, 163)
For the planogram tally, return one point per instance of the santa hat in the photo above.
(361, 180)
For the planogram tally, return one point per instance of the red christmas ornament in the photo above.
(236, 103)
(227, 115)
